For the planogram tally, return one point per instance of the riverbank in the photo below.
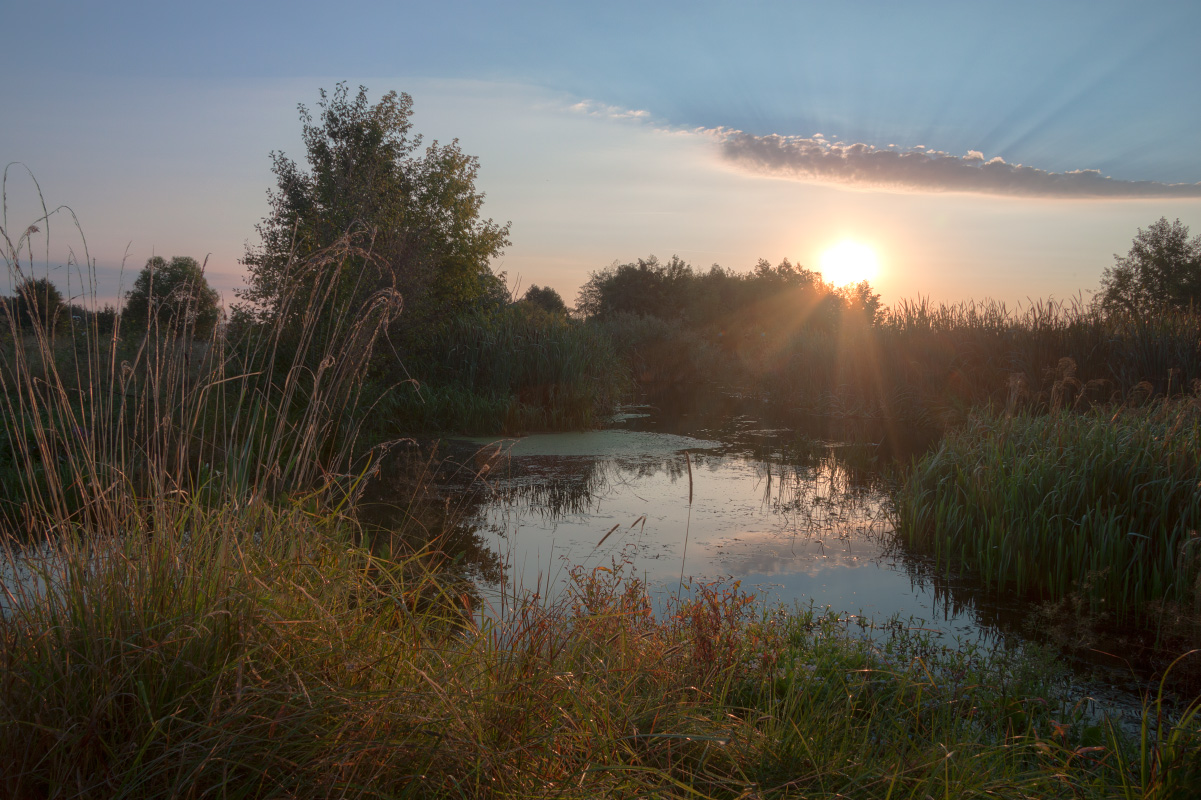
(268, 655)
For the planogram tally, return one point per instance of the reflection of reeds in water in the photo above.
(424, 499)
(688, 523)
(824, 499)
(568, 488)
(807, 472)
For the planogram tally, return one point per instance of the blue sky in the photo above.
(724, 132)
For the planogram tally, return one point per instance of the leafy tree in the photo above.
(860, 299)
(646, 287)
(412, 215)
(38, 302)
(176, 295)
(105, 319)
(766, 298)
(1162, 269)
(546, 298)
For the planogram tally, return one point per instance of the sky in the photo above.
(1002, 150)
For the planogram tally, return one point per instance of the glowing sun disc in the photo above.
(849, 262)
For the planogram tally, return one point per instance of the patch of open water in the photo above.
(791, 534)
(798, 515)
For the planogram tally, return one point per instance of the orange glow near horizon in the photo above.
(849, 262)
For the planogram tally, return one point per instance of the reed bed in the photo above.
(100, 427)
(1101, 506)
(922, 364)
(932, 365)
(513, 370)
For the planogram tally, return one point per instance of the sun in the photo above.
(849, 262)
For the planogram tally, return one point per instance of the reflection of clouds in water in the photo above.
(772, 554)
(803, 523)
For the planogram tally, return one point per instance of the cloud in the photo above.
(595, 109)
(923, 170)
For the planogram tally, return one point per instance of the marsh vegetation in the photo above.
(224, 579)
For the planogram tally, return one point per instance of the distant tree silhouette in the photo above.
(176, 295)
(38, 302)
(1162, 270)
(645, 287)
(546, 298)
(785, 296)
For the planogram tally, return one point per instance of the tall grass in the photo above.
(924, 364)
(264, 655)
(101, 427)
(511, 371)
(1102, 506)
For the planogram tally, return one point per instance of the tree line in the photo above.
(172, 297)
(372, 212)
(785, 294)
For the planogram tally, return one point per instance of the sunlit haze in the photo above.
(990, 150)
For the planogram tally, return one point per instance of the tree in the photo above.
(38, 302)
(1162, 270)
(412, 215)
(646, 287)
(176, 295)
(545, 298)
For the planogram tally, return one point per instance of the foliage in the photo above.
(781, 296)
(678, 327)
(919, 363)
(414, 215)
(38, 304)
(1099, 506)
(644, 287)
(513, 370)
(1162, 270)
(546, 298)
(173, 297)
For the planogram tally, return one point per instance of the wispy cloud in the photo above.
(923, 170)
(595, 109)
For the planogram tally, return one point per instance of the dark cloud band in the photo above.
(923, 170)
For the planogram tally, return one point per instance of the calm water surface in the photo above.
(796, 513)
(795, 518)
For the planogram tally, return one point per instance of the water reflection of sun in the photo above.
(849, 262)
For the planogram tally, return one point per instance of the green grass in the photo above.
(1101, 506)
(265, 655)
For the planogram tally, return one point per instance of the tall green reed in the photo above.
(1102, 506)
(925, 364)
